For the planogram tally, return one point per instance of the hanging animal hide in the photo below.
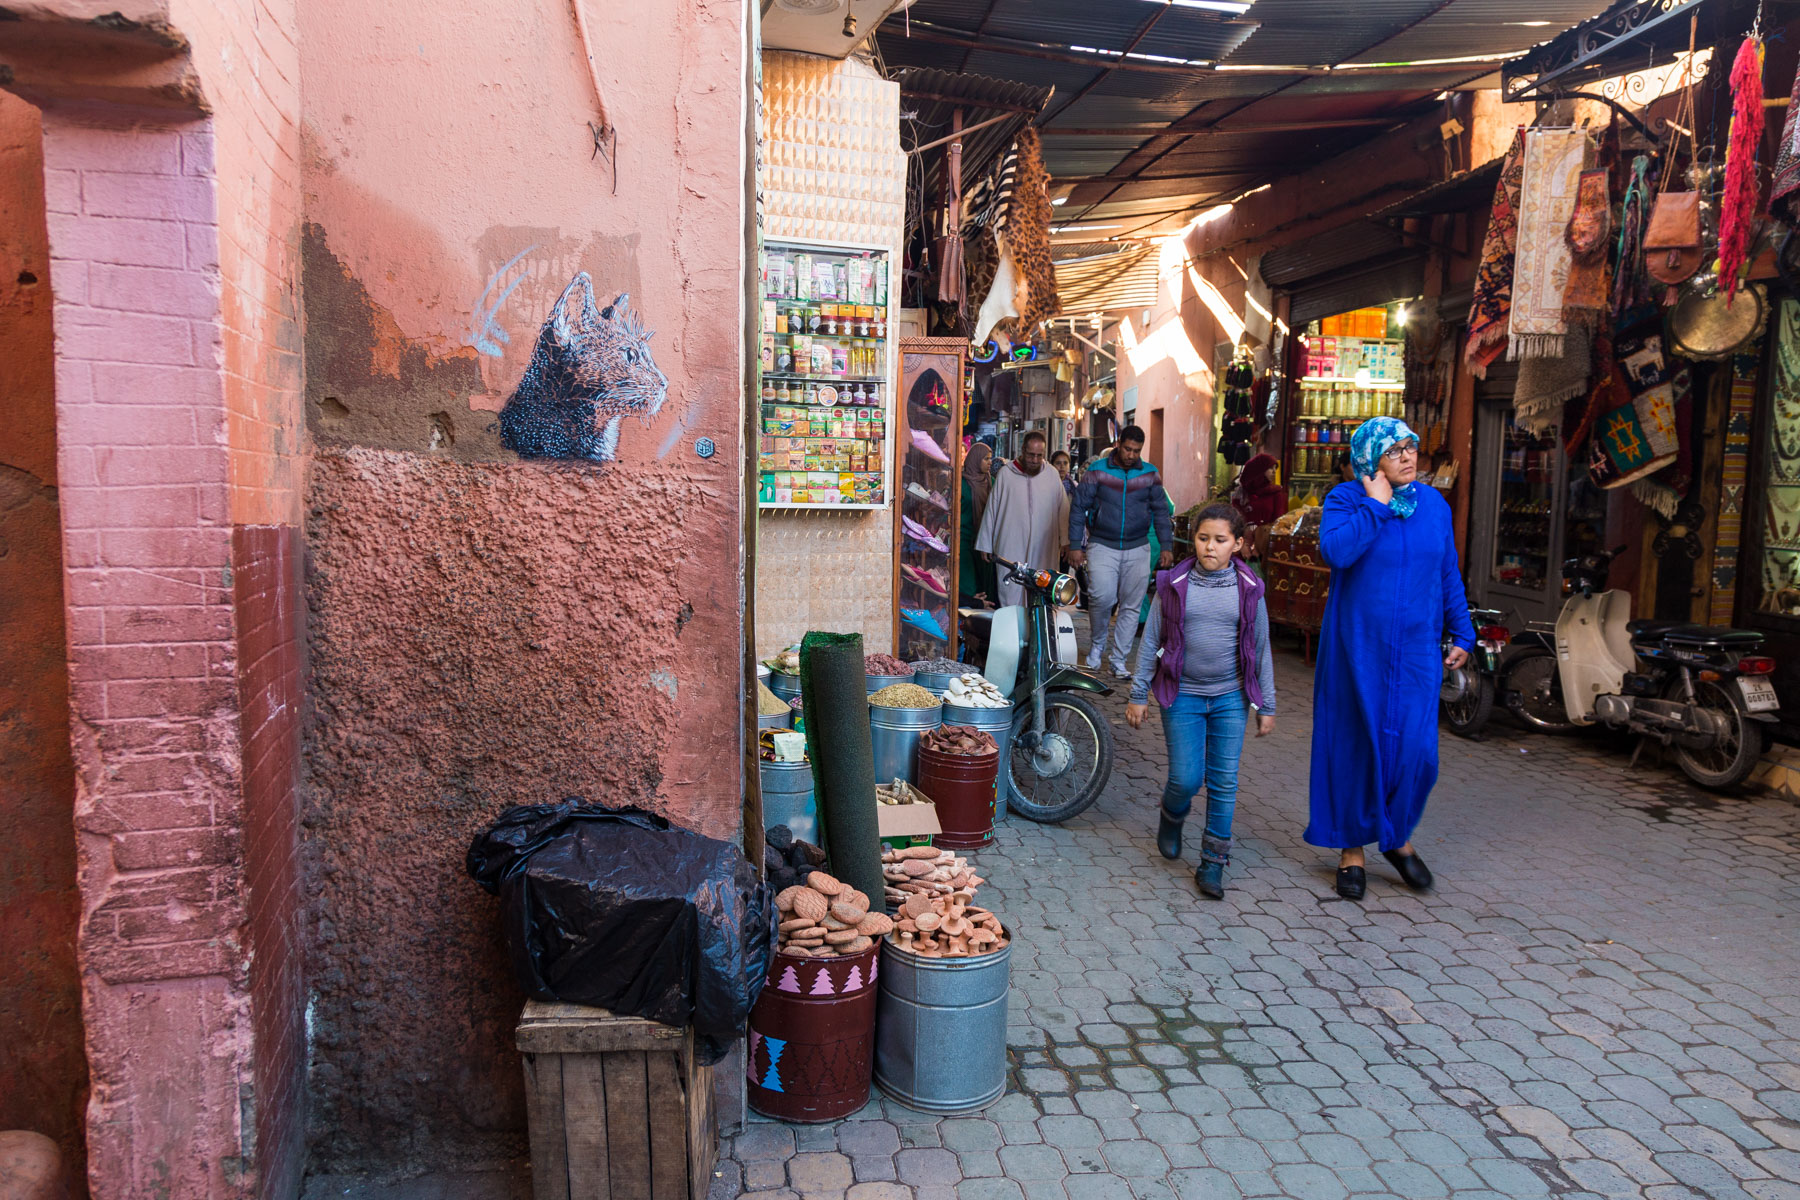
(998, 306)
(1025, 230)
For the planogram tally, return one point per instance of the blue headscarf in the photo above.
(1372, 439)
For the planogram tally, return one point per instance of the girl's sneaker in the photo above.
(1210, 879)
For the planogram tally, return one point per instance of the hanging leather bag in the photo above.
(1672, 243)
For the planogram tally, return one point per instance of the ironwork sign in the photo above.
(1576, 55)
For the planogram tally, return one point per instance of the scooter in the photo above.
(1701, 691)
(1061, 753)
(1466, 697)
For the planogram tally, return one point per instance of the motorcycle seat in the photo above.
(1691, 634)
(976, 616)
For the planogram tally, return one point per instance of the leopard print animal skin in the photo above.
(1027, 236)
(589, 371)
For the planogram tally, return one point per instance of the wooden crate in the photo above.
(619, 1107)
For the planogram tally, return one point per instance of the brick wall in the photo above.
(143, 468)
(43, 1073)
(247, 53)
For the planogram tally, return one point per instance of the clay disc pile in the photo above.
(925, 871)
(961, 740)
(825, 917)
(947, 927)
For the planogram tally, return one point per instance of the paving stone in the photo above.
(927, 1166)
(825, 1172)
(879, 1191)
(1600, 1016)
(1032, 1162)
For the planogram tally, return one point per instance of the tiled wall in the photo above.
(832, 171)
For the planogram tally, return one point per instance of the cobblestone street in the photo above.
(1599, 999)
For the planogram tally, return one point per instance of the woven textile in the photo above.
(1734, 471)
(1546, 384)
(1783, 200)
(1492, 307)
(1553, 162)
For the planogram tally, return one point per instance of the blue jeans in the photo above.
(1206, 742)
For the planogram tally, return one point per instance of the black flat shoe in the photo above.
(1351, 883)
(1413, 871)
(1168, 835)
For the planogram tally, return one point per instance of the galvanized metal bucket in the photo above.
(787, 799)
(785, 686)
(876, 682)
(940, 1029)
(997, 722)
(780, 720)
(894, 735)
(934, 683)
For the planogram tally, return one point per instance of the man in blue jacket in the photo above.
(1120, 500)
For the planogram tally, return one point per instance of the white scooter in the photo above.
(1699, 690)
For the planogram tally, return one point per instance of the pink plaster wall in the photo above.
(483, 630)
(143, 469)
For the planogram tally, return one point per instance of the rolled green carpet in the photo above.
(835, 698)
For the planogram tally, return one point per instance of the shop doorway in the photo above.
(1532, 509)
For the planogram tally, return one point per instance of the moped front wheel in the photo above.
(1064, 773)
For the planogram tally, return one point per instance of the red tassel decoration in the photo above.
(1737, 211)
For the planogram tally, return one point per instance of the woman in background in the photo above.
(975, 581)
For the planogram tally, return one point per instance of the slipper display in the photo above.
(924, 445)
(933, 498)
(929, 580)
(923, 535)
(921, 619)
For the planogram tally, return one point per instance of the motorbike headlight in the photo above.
(1065, 591)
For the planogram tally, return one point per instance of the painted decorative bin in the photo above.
(996, 723)
(787, 799)
(941, 1029)
(812, 1037)
(894, 735)
(962, 787)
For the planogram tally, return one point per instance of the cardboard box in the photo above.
(907, 824)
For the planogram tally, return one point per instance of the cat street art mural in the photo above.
(590, 370)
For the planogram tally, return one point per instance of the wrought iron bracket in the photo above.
(1582, 46)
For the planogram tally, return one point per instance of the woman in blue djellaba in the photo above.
(1396, 588)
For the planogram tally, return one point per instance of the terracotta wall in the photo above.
(43, 1073)
(485, 630)
(1169, 359)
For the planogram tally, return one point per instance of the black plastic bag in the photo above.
(619, 909)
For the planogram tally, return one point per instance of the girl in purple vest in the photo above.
(1205, 657)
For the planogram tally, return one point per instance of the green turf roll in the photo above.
(835, 700)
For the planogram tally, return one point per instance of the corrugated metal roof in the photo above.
(1320, 33)
(1133, 165)
(1109, 283)
(1481, 27)
(1459, 193)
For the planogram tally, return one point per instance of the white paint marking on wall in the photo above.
(664, 682)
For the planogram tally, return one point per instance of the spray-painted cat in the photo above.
(590, 370)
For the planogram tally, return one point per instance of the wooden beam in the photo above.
(1179, 130)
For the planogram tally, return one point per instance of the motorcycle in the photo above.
(1466, 698)
(1702, 691)
(1061, 754)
